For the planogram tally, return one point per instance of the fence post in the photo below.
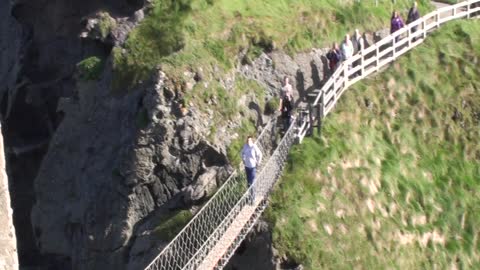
(320, 107)
(376, 58)
(468, 10)
(424, 26)
(394, 47)
(409, 37)
(362, 60)
(437, 19)
(310, 118)
(345, 75)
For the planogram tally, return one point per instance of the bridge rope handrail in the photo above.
(178, 244)
(198, 239)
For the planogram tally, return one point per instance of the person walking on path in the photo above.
(286, 109)
(347, 49)
(286, 103)
(334, 56)
(287, 89)
(251, 157)
(359, 46)
(413, 15)
(396, 23)
(359, 41)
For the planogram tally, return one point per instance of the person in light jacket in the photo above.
(347, 49)
(251, 157)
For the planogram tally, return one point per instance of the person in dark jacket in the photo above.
(396, 23)
(334, 57)
(413, 15)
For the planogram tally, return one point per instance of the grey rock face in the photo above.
(306, 71)
(10, 47)
(39, 50)
(117, 162)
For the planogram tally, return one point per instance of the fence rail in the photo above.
(373, 58)
(211, 237)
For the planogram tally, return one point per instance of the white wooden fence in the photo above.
(378, 55)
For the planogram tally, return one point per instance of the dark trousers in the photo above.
(287, 120)
(251, 172)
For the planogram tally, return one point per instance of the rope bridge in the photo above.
(211, 237)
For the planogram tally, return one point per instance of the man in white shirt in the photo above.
(251, 157)
(347, 48)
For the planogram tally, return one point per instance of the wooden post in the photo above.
(437, 19)
(394, 47)
(376, 58)
(468, 10)
(424, 26)
(362, 60)
(345, 74)
(409, 37)
(310, 118)
(320, 107)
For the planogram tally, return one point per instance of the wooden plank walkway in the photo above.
(228, 238)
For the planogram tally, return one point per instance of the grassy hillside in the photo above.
(204, 33)
(394, 180)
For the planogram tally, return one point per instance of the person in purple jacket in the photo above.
(396, 23)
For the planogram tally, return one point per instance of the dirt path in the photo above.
(439, 4)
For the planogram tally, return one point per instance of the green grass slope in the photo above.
(204, 33)
(394, 180)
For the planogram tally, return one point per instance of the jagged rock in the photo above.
(99, 26)
(124, 25)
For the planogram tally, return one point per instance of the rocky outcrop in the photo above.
(39, 50)
(8, 241)
(115, 163)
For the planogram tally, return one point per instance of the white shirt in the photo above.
(287, 90)
(347, 49)
(251, 156)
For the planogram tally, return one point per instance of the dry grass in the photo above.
(394, 185)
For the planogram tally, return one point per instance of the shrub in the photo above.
(106, 24)
(90, 68)
(173, 224)
(272, 105)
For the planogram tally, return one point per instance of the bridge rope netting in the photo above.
(211, 237)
